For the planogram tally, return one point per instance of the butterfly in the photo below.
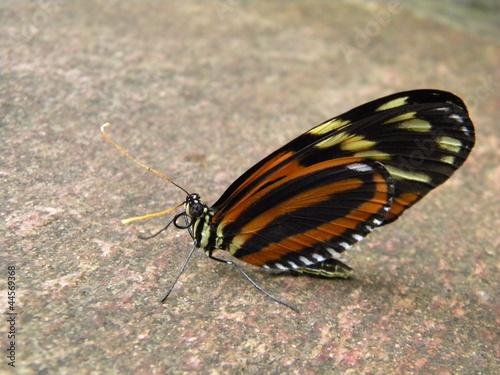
(302, 206)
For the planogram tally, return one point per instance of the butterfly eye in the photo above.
(196, 210)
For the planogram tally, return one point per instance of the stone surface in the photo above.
(201, 91)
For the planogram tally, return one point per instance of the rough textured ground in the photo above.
(201, 91)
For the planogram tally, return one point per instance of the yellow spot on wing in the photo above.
(407, 175)
(328, 126)
(357, 143)
(448, 159)
(450, 144)
(403, 117)
(416, 125)
(373, 154)
(398, 102)
(332, 141)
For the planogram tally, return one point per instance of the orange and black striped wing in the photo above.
(309, 215)
(420, 137)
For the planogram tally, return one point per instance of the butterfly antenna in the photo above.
(180, 273)
(119, 148)
(131, 219)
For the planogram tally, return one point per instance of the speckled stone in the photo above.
(201, 91)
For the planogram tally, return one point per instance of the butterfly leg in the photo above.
(209, 253)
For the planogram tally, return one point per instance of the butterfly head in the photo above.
(194, 207)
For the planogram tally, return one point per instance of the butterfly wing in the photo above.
(421, 137)
(309, 215)
(310, 200)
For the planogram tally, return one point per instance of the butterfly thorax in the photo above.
(202, 229)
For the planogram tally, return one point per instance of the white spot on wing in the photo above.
(335, 254)
(306, 261)
(465, 130)
(345, 245)
(280, 266)
(318, 257)
(457, 118)
(357, 237)
(359, 167)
